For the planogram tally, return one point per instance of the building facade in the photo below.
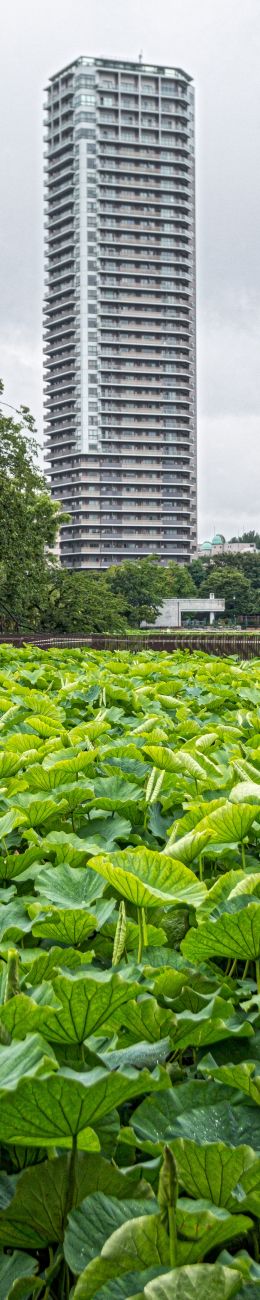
(120, 311)
(211, 550)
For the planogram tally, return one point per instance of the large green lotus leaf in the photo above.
(14, 817)
(135, 1246)
(9, 763)
(213, 1171)
(201, 1226)
(214, 1022)
(17, 864)
(65, 847)
(210, 1110)
(70, 925)
(244, 1076)
(37, 811)
(44, 1112)
(145, 878)
(170, 982)
(247, 770)
(197, 1282)
(114, 792)
(100, 834)
(40, 965)
(249, 1269)
(189, 846)
(120, 1288)
(37, 702)
(75, 793)
(141, 1054)
(246, 792)
(96, 1219)
(45, 728)
(144, 1019)
(14, 921)
(33, 1057)
(231, 823)
(21, 1016)
(69, 886)
(89, 1001)
(86, 1002)
(179, 761)
(42, 777)
(18, 1265)
(19, 742)
(250, 884)
(143, 1241)
(246, 1195)
(36, 1212)
(221, 890)
(230, 935)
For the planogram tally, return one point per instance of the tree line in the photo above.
(36, 594)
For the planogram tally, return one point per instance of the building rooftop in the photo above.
(127, 65)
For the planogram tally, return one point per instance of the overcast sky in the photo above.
(218, 42)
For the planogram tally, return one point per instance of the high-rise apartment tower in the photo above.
(120, 322)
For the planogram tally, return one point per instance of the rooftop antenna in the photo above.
(140, 57)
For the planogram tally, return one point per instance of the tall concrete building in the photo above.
(120, 313)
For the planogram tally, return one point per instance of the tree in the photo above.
(231, 584)
(197, 570)
(250, 536)
(177, 580)
(81, 603)
(142, 584)
(29, 521)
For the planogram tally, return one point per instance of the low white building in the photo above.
(172, 609)
(219, 546)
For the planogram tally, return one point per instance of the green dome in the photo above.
(204, 546)
(218, 539)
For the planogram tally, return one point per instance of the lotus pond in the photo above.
(129, 976)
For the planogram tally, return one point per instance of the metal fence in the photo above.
(244, 645)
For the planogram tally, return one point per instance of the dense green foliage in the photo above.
(237, 580)
(144, 584)
(81, 603)
(29, 522)
(129, 976)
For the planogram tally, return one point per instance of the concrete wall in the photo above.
(172, 610)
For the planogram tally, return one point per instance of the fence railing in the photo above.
(244, 645)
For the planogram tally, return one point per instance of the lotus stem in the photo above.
(142, 932)
(172, 1235)
(69, 1198)
(167, 1198)
(257, 973)
(12, 979)
(243, 856)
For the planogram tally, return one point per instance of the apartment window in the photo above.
(107, 101)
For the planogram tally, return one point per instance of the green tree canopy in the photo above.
(197, 571)
(250, 536)
(146, 583)
(82, 602)
(142, 585)
(178, 580)
(29, 521)
(234, 587)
